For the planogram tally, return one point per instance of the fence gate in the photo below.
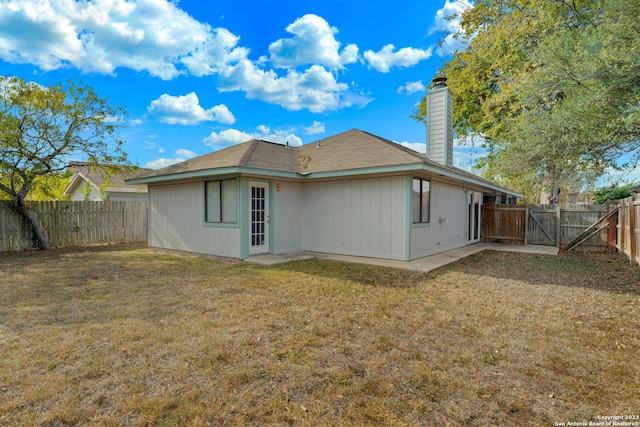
(504, 224)
(549, 225)
(543, 226)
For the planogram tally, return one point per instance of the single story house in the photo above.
(353, 193)
(95, 182)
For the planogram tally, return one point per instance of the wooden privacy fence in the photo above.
(550, 225)
(628, 228)
(71, 223)
(504, 224)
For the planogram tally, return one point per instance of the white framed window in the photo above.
(221, 201)
(421, 201)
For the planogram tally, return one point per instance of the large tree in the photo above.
(41, 128)
(552, 86)
(44, 188)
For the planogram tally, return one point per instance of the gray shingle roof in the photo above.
(356, 149)
(252, 154)
(347, 151)
(111, 176)
(353, 149)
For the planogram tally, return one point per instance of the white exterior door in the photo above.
(474, 202)
(258, 218)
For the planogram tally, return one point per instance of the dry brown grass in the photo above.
(119, 335)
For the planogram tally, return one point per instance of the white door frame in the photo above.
(258, 217)
(474, 216)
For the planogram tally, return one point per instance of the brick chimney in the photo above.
(440, 122)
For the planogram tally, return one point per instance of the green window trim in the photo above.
(221, 201)
(421, 201)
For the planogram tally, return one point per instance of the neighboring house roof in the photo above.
(350, 153)
(105, 178)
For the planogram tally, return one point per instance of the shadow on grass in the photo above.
(605, 272)
(359, 273)
(58, 252)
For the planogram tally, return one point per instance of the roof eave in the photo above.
(76, 181)
(204, 173)
(310, 175)
(139, 189)
(413, 167)
(468, 180)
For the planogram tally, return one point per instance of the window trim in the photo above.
(419, 221)
(222, 221)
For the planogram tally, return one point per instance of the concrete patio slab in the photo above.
(424, 264)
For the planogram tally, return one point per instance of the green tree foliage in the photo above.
(41, 127)
(605, 194)
(552, 86)
(47, 187)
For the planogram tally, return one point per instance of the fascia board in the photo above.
(126, 190)
(412, 167)
(210, 173)
(76, 182)
(73, 183)
(468, 180)
(363, 171)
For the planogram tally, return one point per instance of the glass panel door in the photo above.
(258, 217)
(474, 224)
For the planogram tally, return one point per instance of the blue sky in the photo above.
(198, 76)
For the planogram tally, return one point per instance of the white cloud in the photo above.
(313, 43)
(466, 156)
(315, 128)
(226, 137)
(233, 136)
(411, 87)
(186, 110)
(447, 20)
(162, 163)
(187, 154)
(157, 37)
(180, 155)
(315, 89)
(420, 147)
(102, 35)
(386, 58)
(465, 153)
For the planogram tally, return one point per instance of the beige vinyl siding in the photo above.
(440, 133)
(364, 217)
(177, 222)
(130, 196)
(80, 194)
(286, 217)
(112, 196)
(93, 196)
(447, 201)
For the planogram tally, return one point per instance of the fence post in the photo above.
(632, 231)
(622, 222)
(526, 225)
(612, 232)
(124, 223)
(558, 225)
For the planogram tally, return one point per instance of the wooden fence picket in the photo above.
(70, 223)
(550, 225)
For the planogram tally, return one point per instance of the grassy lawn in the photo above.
(119, 335)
